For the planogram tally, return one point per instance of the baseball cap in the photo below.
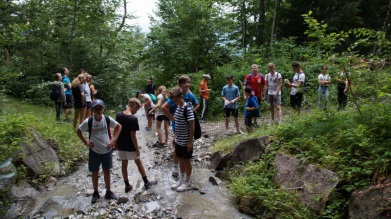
(98, 102)
(207, 76)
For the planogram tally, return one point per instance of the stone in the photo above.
(313, 184)
(51, 181)
(40, 157)
(372, 202)
(8, 173)
(215, 181)
(24, 197)
(122, 200)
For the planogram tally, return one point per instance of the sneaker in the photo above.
(128, 188)
(110, 195)
(175, 172)
(184, 186)
(95, 197)
(147, 129)
(150, 184)
(255, 125)
(176, 184)
(239, 132)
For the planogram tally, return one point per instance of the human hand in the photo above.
(189, 146)
(90, 144)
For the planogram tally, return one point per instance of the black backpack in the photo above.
(90, 126)
(55, 92)
(197, 126)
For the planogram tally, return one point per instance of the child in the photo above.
(250, 109)
(231, 95)
(148, 105)
(184, 131)
(127, 144)
(100, 146)
(161, 116)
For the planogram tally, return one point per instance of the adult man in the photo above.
(100, 146)
(204, 91)
(296, 97)
(231, 95)
(68, 94)
(273, 84)
(150, 88)
(60, 101)
(256, 81)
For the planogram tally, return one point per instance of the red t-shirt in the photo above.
(255, 83)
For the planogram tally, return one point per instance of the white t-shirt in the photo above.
(144, 99)
(322, 77)
(296, 78)
(162, 101)
(99, 135)
(272, 83)
(87, 92)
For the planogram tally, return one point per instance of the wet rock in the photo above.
(372, 202)
(246, 206)
(313, 184)
(215, 181)
(122, 200)
(23, 196)
(51, 181)
(7, 182)
(247, 150)
(40, 157)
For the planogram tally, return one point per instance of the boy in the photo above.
(169, 108)
(100, 146)
(204, 91)
(148, 105)
(231, 95)
(184, 131)
(251, 109)
(273, 84)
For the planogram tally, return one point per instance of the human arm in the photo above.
(166, 109)
(279, 84)
(89, 144)
(157, 106)
(135, 142)
(117, 131)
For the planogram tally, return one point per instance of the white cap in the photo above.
(207, 76)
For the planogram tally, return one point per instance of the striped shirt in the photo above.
(182, 128)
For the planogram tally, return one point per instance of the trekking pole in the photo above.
(352, 93)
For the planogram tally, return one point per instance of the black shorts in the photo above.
(296, 100)
(181, 152)
(162, 117)
(228, 111)
(69, 101)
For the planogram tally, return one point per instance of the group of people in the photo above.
(77, 94)
(178, 106)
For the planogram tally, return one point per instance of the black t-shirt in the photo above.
(150, 89)
(129, 123)
(77, 99)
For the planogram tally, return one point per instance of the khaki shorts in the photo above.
(127, 155)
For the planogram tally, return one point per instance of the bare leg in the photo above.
(226, 123)
(187, 164)
(237, 123)
(124, 169)
(166, 132)
(159, 130)
(95, 177)
(75, 117)
(279, 111)
(106, 175)
(272, 110)
(82, 114)
(140, 167)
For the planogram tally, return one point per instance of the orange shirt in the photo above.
(204, 86)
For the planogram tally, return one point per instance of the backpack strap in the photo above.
(107, 118)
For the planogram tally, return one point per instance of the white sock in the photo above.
(187, 179)
(176, 166)
(182, 176)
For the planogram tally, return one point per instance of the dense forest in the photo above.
(218, 37)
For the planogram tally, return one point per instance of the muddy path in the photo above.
(70, 197)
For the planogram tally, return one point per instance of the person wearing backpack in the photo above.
(58, 95)
(273, 84)
(169, 107)
(323, 80)
(68, 94)
(296, 95)
(257, 82)
(100, 144)
(184, 136)
(150, 88)
(148, 105)
(251, 109)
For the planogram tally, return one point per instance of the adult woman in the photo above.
(161, 116)
(323, 80)
(78, 99)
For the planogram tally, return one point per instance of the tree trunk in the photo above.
(7, 56)
(274, 23)
(244, 27)
(72, 36)
(385, 20)
(261, 23)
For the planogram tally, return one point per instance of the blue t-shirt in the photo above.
(251, 102)
(188, 97)
(66, 81)
(230, 93)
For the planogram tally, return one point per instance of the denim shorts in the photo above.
(96, 159)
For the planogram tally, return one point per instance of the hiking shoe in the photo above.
(150, 184)
(176, 184)
(110, 195)
(128, 188)
(184, 186)
(147, 129)
(255, 125)
(175, 172)
(95, 197)
(239, 132)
